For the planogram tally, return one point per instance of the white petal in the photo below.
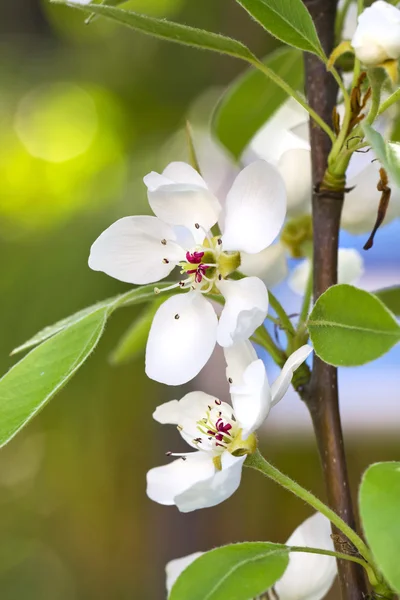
(255, 208)
(350, 269)
(298, 278)
(309, 576)
(180, 197)
(165, 483)
(281, 384)
(181, 339)
(377, 37)
(246, 307)
(238, 357)
(270, 265)
(176, 567)
(215, 489)
(252, 400)
(295, 168)
(131, 250)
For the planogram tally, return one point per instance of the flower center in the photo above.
(218, 427)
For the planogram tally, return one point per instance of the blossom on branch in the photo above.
(221, 434)
(145, 249)
(377, 37)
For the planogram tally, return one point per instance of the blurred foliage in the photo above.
(85, 112)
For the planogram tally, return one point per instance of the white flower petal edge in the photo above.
(270, 265)
(180, 197)
(377, 37)
(181, 339)
(131, 250)
(176, 567)
(255, 208)
(350, 269)
(218, 431)
(309, 576)
(246, 308)
(281, 384)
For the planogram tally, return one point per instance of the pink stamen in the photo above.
(194, 258)
(200, 272)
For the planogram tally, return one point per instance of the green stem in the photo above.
(258, 462)
(280, 311)
(294, 94)
(306, 300)
(389, 101)
(339, 555)
(263, 339)
(360, 6)
(340, 19)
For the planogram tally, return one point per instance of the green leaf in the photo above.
(388, 153)
(380, 515)
(391, 298)
(287, 20)
(234, 123)
(237, 572)
(134, 296)
(133, 342)
(32, 382)
(168, 30)
(350, 327)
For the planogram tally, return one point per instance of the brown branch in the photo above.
(321, 395)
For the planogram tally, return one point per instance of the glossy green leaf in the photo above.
(391, 298)
(133, 342)
(32, 382)
(234, 123)
(350, 327)
(287, 20)
(168, 30)
(238, 572)
(388, 153)
(134, 296)
(380, 516)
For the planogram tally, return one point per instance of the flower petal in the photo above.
(180, 197)
(252, 400)
(309, 576)
(246, 307)
(295, 167)
(238, 357)
(213, 490)
(255, 208)
(270, 265)
(133, 250)
(350, 269)
(165, 483)
(281, 384)
(181, 339)
(175, 568)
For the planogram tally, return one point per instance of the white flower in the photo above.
(284, 141)
(145, 249)
(307, 577)
(377, 37)
(350, 269)
(218, 431)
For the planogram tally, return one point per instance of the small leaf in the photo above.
(287, 20)
(350, 327)
(234, 123)
(391, 298)
(380, 515)
(168, 30)
(388, 153)
(134, 296)
(32, 382)
(234, 572)
(133, 342)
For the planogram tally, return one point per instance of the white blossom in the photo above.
(377, 37)
(284, 141)
(221, 434)
(145, 249)
(307, 577)
(350, 269)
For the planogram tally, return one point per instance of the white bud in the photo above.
(377, 37)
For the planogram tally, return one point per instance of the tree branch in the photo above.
(321, 395)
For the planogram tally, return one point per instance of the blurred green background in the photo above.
(85, 113)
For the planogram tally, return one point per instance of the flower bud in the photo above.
(377, 37)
